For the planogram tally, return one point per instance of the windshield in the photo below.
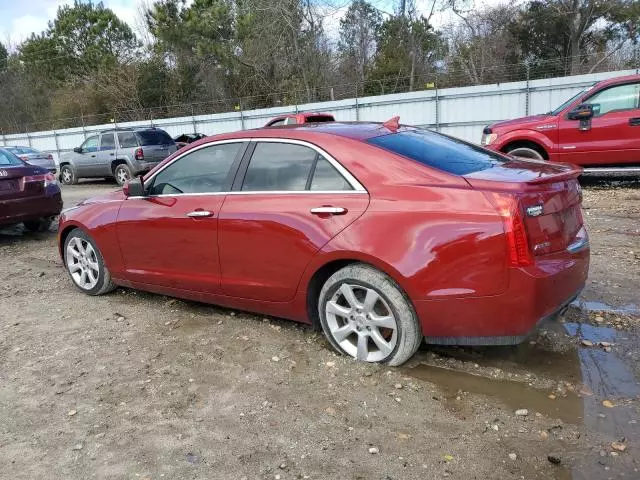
(568, 102)
(439, 151)
(8, 158)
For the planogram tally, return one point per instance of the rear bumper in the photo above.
(535, 294)
(31, 208)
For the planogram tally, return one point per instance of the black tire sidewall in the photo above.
(97, 289)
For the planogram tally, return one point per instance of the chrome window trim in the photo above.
(351, 180)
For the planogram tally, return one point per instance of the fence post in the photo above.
(55, 139)
(528, 93)
(84, 131)
(29, 139)
(241, 115)
(193, 120)
(437, 107)
(357, 107)
(4, 139)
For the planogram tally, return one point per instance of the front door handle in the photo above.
(329, 210)
(634, 122)
(200, 214)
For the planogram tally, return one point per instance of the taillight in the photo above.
(509, 209)
(139, 154)
(50, 157)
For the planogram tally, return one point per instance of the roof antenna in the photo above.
(392, 124)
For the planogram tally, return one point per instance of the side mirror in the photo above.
(78, 149)
(581, 112)
(134, 188)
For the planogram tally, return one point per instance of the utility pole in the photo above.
(403, 6)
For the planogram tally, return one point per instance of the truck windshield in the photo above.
(568, 102)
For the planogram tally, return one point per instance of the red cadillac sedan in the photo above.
(380, 234)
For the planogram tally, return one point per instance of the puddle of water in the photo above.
(514, 394)
(609, 379)
(604, 373)
(591, 306)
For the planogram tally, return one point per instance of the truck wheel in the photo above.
(525, 152)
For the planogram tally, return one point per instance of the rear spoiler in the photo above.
(573, 171)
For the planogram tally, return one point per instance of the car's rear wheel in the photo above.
(67, 175)
(366, 315)
(85, 264)
(122, 174)
(39, 225)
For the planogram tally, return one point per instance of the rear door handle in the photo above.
(200, 214)
(328, 211)
(634, 122)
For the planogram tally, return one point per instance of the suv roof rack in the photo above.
(128, 129)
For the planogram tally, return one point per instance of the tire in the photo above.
(81, 254)
(382, 327)
(525, 152)
(122, 174)
(67, 175)
(40, 225)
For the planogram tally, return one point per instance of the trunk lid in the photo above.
(15, 182)
(548, 199)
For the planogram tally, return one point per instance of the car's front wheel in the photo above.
(67, 175)
(366, 315)
(85, 264)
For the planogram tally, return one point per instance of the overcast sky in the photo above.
(19, 18)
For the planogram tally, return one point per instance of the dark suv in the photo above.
(121, 153)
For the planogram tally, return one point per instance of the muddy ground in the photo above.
(136, 385)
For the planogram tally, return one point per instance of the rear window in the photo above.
(319, 118)
(8, 158)
(438, 151)
(21, 150)
(154, 137)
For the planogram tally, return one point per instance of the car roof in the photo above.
(129, 129)
(616, 80)
(355, 130)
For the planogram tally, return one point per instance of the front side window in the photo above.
(90, 144)
(279, 167)
(206, 170)
(107, 142)
(622, 97)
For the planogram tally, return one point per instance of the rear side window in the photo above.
(154, 137)
(327, 178)
(107, 141)
(438, 151)
(8, 158)
(279, 167)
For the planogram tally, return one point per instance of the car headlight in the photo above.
(488, 138)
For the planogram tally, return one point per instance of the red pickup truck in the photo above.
(299, 118)
(599, 129)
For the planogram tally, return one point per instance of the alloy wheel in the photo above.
(67, 176)
(362, 323)
(82, 263)
(122, 176)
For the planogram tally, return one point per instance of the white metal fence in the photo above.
(461, 112)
